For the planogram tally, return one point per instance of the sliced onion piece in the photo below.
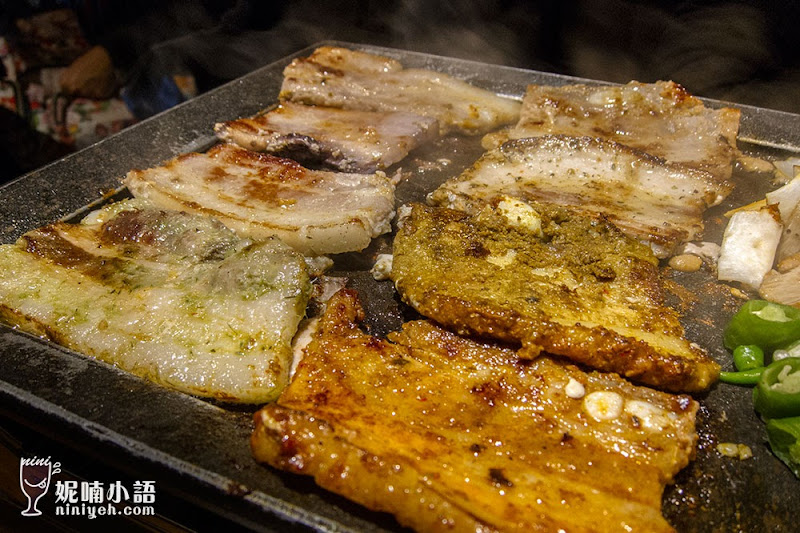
(748, 247)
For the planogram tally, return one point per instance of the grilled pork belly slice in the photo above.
(340, 139)
(338, 77)
(259, 196)
(658, 203)
(450, 434)
(171, 297)
(660, 118)
(551, 280)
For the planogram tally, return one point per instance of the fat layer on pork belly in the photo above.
(341, 139)
(174, 298)
(656, 202)
(660, 118)
(551, 280)
(451, 434)
(259, 195)
(338, 77)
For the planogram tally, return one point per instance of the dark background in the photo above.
(743, 52)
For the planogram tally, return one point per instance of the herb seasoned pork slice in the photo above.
(660, 118)
(551, 280)
(658, 203)
(171, 297)
(450, 434)
(338, 77)
(339, 139)
(259, 196)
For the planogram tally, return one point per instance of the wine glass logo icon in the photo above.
(34, 480)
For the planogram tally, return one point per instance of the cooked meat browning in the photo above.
(655, 202)
(340, 139)
(551, 280)
(660, 118)
(450, 434)
(259, 196)
(171, 297)
(338, 77)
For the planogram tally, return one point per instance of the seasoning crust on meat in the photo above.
(171, 297)
(450, 434)
(551, 280)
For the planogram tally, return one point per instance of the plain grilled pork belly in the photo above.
(340, 139)
(656, 202)
(338, 77)
(259, 196)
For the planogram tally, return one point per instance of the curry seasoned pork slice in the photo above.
(551, 280)
(174, 298)
(340, 139)
(656, 202)
(259, 196)
(339, 77)
(660, 118)
(451, 434)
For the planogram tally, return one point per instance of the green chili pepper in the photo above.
(765, 324)
(743, 377)
(784, 439)
(748, 357)
(777, 394)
